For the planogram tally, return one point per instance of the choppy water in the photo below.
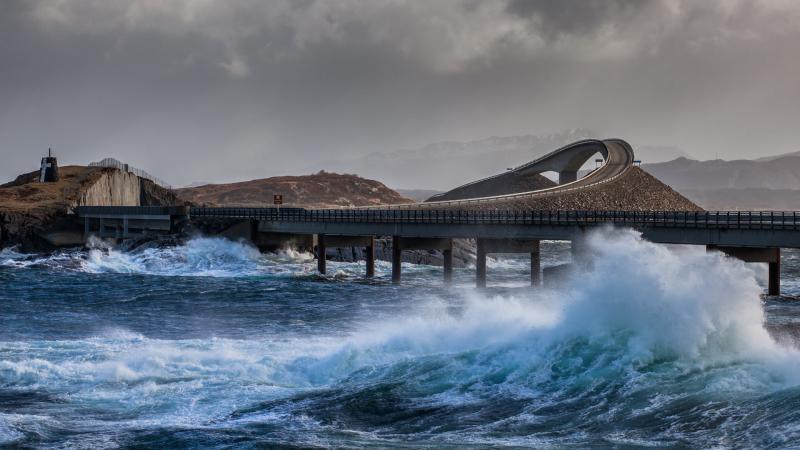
(214, 345)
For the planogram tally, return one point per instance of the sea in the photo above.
(213, 344)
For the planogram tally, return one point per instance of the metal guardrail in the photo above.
(117, 164)
(771, 220)
(130, 210)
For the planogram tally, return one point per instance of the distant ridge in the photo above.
(774, 172)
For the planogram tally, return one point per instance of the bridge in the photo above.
(617, 156)
(432, 225)
(751, 236)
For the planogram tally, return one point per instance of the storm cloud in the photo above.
(217, 91)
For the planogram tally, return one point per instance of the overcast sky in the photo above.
(224, 90)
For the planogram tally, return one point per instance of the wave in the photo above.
(648, 345)
(202, 256)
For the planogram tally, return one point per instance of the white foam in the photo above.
(640, 304)
(642, 301)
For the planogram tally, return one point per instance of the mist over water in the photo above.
(212, 344)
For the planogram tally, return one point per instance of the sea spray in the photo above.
(214, 257)
(653, 345)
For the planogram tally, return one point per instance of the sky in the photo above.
(202, 90)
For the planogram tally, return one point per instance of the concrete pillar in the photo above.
(536, 267)
(769, 255)
(774, 285)
(580, 251)
(480, 264)
(102, 227)
(396, 256)
(370, 255)
(321, 257)
(178, 218)
(447, 263)
(125, 227)
(86, 227)
(567, 176)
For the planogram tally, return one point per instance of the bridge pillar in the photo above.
(480, 264)
(774, 283)
(397, 252)
(325, 241)
(536, 266)
(321, 259)
(178, 218)
(400, 243)
(567, 176)
(771, 256)
(447, 262)
(486, 246)
(370, 254)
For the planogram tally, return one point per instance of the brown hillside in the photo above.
(321, 190)
(26, 194)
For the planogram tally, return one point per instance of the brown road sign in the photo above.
(277, 199)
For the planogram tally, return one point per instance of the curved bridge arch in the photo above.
(567, 160)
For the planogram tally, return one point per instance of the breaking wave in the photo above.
(649, 345)
(202, 256)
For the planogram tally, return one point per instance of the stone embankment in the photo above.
(635, 190)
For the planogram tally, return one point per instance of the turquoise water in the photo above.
(214, 345)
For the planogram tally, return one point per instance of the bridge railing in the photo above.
(127, 210)
(780, 220)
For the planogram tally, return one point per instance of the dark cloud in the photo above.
(581, 17)
(226, 90)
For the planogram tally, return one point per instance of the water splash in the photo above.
(651, 345)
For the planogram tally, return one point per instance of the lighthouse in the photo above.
(49, 170)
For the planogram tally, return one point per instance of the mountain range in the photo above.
(767, 183)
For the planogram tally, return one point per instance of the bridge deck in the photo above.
(729, 228)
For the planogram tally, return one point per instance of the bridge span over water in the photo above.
(751, 236)
(432, 225)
